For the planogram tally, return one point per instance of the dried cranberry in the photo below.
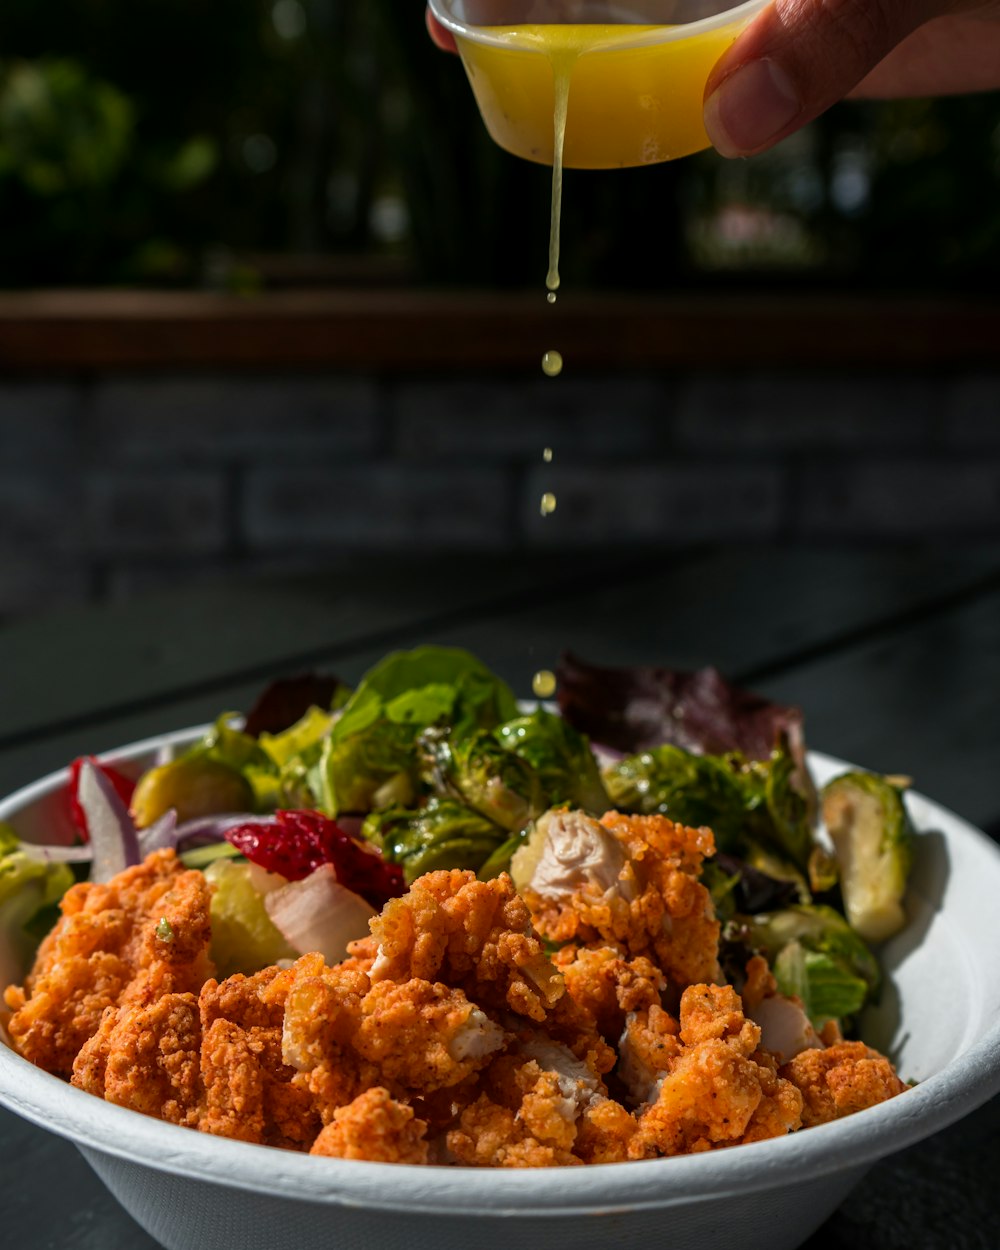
(299, 842)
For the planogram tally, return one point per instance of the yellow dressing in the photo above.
(638, 102)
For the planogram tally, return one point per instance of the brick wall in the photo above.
(115, 484)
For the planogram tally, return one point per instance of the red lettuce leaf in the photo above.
(633, 709)
(287, 700)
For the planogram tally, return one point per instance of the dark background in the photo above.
(250, 143)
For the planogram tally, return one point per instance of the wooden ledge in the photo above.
(409, 330)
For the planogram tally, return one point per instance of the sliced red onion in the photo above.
(113, 834)
(206, 830)
(189, 834)
(319, 914)
(57, 854)
(160, 835)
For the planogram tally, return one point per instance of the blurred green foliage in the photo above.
(179, 142)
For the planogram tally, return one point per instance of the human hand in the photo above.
(443, 38)
(800, 56)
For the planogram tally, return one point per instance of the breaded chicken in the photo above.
(213, 1064)
(322, 1015)
(473, 935)
(631, 881)
(147, 1057)
(423, 1037)
(255, 1006)
(142, 935)
(541, 1106)
(841, 1079)
(608, 986)
(715, 1092)
(375, 1127)
(449, 1035)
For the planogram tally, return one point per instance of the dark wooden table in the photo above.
(893, 653)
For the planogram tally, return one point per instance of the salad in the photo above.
(418, 921)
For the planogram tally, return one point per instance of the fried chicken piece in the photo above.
(844, 1078)
(147, 1057)
(213, 1064)
(424, 1037)
(526, 1117)
(361, 954)
(233, 1081)
(322, 1014)
(540, 1106)
(472, 935)
(715, 1092)
(648, 1047)
(142, 935)
(607, 986)
(254, 1006)
(785, 1029)
(375, 1127)
(780, 1108)
(627, 880)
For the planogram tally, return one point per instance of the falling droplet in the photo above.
(548, 504)
(552, 297)
(547, 455)
(544, 684)
(552, 364)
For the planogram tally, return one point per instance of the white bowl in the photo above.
(939, 1019)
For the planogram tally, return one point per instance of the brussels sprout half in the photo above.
(872, 837)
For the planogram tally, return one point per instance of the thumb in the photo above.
(796, 59)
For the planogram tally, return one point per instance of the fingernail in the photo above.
(750, 107)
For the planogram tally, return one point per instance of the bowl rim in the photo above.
(493, 35)
(856, 1141)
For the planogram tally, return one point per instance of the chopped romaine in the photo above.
(845, 977)
(244, 938)
(319, 914)
(29, 887)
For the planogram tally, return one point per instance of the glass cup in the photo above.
(636, 73)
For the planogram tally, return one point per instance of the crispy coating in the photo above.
(255, 1007)
(147, 1057)
(474, 935)
(657, 907)
(841, 1079)
(715, 1092)
(424, 1037)
(449, 1035)
(375, 1127)
(212, 1063)
(607, 986)
(110, 948)
(322, 1015)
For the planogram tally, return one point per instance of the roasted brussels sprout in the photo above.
(443, 834)
(562, 759)
(739, 799)
(873, 838)
(816, 955)
(194, 785)
(477, 771)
